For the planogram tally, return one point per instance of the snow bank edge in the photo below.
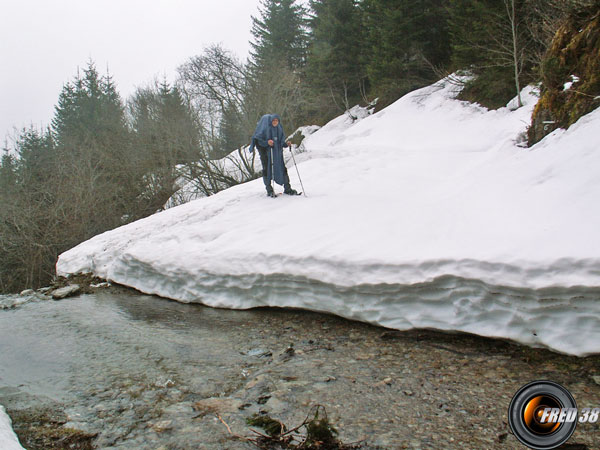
(534, 317)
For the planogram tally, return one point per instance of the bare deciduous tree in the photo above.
(228, 100)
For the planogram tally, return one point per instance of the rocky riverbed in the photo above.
(116, 369)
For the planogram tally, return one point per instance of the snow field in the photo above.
(426, 214)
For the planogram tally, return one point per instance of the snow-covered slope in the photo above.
(426, 214)
(8, 438)
(236, 165)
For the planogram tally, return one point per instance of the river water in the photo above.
(143, 372)
(122, 362)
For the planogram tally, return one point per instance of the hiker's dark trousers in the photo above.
(264, 160)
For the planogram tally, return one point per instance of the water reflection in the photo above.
(62, 348)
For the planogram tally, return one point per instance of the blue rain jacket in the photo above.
(265, 131)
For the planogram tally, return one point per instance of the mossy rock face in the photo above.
(575, 51)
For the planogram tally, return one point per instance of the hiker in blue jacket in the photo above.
(269, 139)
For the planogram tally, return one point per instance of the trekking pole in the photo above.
(272, 174)
(292, 152)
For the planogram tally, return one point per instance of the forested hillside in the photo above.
(105, 161)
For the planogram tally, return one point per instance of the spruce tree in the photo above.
(273, 82)
(94, 149)
(28, 233)
(231, 135)
(36, 160)
(408, 44)
(336, 60)
(165, 136)
(164, 125)
(279, 36)
(89, 122)
(492, 40)
(8, 176)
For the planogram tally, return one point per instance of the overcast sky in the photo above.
(42, 42)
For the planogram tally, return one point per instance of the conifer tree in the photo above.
(274, 75)
(165, 136)
(36, 159)
(490, 38)
(232, 135)
(408, 44)
(336, 62)
(279, 36)
(27, 202)
(93, 146)
(165, 123)
(8, 176)
(90, 113)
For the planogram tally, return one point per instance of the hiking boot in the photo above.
(271, 194)
(291, 191)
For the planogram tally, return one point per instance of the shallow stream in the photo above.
(142, 372)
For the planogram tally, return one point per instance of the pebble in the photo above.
(386, 381)
(162, 426)
(162, 383)
(259, 353)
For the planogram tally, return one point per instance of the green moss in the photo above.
(44, 430)
(271, 426)
(320, 433)
(554, 72)
(574, 51)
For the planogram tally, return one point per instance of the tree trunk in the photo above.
(512, 16)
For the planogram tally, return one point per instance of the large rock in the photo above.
(66, 291)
